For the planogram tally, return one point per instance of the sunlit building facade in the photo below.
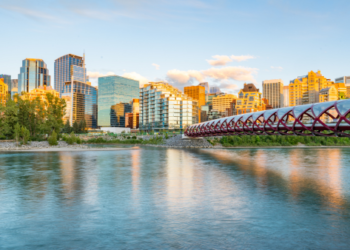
(33, 74)
(84, 103)
(305, 89)
(329, 94)
(286, 96)
(196, 93)
(249, 100)
(67, 66)
(111, 91)
(346, 81)
(273, 91)
(118, 114)
(164, 107)
(223, 102)
(7, 81)
(3, 91)
(40, 93)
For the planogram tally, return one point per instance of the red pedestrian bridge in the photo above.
(319, 119)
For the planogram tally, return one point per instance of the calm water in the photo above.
(152, 198)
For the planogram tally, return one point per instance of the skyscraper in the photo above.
(33, 74)
(215, 90)
(7, 81)
(111, 91)
(14, 87)
(67, 66)
(285, 96)
(273, 92)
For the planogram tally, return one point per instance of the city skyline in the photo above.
(197, 44)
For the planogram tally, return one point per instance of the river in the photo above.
(158, 198)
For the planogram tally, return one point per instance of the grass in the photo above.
(278, 140)
(155, 140)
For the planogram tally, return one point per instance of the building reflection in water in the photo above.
(291, 172)
(135, 172)
(67, 174)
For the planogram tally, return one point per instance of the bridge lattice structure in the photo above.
(319, 119)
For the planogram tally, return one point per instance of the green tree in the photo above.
(67, 128)
(25, 135)
(53, 139)
(341, 95)
(17, 132)
(55, 110)
(11, 117)
(75, 127)
(82, 126)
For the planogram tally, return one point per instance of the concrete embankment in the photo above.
(178, 142)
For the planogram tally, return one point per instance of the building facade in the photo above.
(328, 94)
(7, 81)
(33, 74)
(118, 114)
(40, 93)
(273, 91)
(223, 102)
(215, 90)
(3, 91)
(196, 93)
(113, 90)
(305, 89)
(346, 81)
(249, 100)
(84, 103)
(164, 107)
(286, 96)
(67, 66)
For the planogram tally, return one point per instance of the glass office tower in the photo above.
(118, 113)
(7, 81)
(84, 103)
(67, 66)
(111, 91)
(33, 74)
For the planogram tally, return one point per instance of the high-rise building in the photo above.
(285, 96)
(206, 86)
(249, 100)
(197, 93)
(215, 90)
(84, 103)
(273, 91)
(67, 66)
(3, 91)
(113, 90)
(164, 107)
(135, 113)
(33, 74)
(7, 81)
(223, 102)
(305, 89)
(329, 94)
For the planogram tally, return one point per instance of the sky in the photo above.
(224, 42)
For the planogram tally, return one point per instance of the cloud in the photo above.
(156, 66)
(221, 60)
(33, 14)
(181, 78)
(279, 67)
(94, 75)
(133, 75)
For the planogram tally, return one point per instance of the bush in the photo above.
(53, 139)
(134, 137)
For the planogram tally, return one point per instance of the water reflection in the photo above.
(170, 198)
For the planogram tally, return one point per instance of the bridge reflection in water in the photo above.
(320, 119)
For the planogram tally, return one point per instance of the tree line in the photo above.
(37, 116)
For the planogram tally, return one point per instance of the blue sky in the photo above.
(183, 42)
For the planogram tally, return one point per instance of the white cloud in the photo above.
(242, 58)
(219, 60)
(278, 67)
(133, 75)
(156, 66)
(181, 78)
(98, 74)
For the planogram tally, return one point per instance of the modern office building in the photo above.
(111, 91)
(67, 66)
(84, 103)
(273, 91)
(206, 86)
(305, 89)
(223, 102)
(285, 96)
(249, 100)
(118, 114)
(164, 107)
(135, 113)
(215, 90)
(7, 81)
(33, 74)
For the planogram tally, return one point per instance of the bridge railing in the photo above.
(319, 119)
